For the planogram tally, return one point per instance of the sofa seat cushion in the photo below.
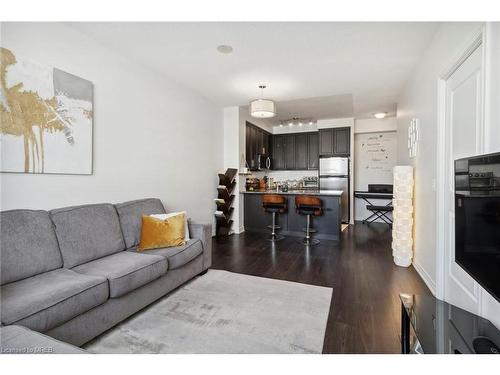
(47, 300)
(177, 256)
(21, 340)
(125, 271)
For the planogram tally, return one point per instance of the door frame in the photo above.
(477, 40)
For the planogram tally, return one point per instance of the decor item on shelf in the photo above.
(46, 118)
(297, 121)
(224, 201)
(413, 137)
(262, 108)
(402, 227)
(252, 183)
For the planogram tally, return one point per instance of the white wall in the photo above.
(370, 125)
(419, 99)
(363, 174)
(233, 158)
(152, 138)
(362, 177)
(286, 129)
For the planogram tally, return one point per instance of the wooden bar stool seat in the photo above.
(274, 204)
(309, 206)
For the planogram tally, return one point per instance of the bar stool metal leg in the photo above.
(274, 236)
(308, 241)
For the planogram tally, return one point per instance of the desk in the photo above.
(366, 196)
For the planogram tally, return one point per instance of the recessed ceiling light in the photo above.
(380, 115)
(300, 123)
(224, 48)
(290, 123)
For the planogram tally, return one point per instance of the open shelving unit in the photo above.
(224, 201)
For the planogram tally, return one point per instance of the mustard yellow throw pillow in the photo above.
(156, 233)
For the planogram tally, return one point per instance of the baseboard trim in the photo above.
(426, 277)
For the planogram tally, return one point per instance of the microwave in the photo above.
(263, 162)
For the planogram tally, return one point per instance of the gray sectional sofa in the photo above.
(73, 273)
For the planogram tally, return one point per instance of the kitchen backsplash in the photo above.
(285, 175)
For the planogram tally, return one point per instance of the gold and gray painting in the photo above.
(46, 118)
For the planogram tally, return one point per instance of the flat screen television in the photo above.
(477, 219)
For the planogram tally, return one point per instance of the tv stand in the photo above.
(432, 326)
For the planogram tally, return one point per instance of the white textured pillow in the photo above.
(166, 216)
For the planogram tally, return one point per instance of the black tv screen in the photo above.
(477, 219)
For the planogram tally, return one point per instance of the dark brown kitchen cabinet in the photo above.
(326, 142)
(342, 142)
(334, 141)
(296, 151)
(289, 151)
(301, 154)
(257, 142)
(312, 151)
(278, 156)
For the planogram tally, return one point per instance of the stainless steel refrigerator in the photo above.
(334, 175)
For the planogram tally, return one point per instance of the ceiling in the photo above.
(325, 61)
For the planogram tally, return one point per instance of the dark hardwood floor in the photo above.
(365, 309)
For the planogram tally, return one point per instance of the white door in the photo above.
(464, 139)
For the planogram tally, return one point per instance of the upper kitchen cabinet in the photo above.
(290, 151)
(278, 157)
(342, 141)
(312, 150)
(301, 154)
(257, 142)
(335, 142)
(296, 151)
(326, 142)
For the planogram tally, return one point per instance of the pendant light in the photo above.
(262, 108)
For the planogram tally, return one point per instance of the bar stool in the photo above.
(274, 204)
(308, 205)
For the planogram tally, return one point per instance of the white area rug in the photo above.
(225, 312)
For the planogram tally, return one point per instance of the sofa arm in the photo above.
(203, 232)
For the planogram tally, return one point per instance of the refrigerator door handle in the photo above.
(268, 163)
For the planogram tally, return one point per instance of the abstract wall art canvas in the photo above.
(46, 118)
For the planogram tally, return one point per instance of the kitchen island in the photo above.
(327, 226)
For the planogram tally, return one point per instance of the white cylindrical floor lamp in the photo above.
(402, 228)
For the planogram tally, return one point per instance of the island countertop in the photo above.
(327, 225)
(335, 193)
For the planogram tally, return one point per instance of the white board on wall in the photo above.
(375, 155)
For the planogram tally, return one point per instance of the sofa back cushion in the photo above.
(130, 214)
(28, 245)
(87, 232)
